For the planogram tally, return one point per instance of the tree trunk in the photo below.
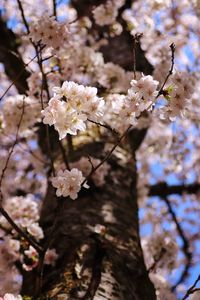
(100, 266)
(109, 265)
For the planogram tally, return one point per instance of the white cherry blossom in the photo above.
(68, 183)
(69, 115)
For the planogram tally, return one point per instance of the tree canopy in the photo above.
(100, 151)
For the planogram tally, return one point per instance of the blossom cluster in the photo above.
(68, 183)
(178, 94)
(50, 32)
(32, 255)
(127, 102)
(12, 111)
(143, 92)
(27, 217)
(162, 287)
(160, 249)
(140, 97)
(25, 163)
(9, 296)
(12, 248)
(15, 251)
(105, 14)
(71, 106)
(127, 108)
(9, 254)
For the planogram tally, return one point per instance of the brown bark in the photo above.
(114, 260)
(112, 263)
(112, 266)
(13, 64)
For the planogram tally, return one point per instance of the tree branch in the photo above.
(2, 210)
(14, 66)
(186, 245)
(107, 156)
(172, 47)
(162, 189)
(191, 289)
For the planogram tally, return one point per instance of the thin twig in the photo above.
(12, 148)
(45, 86)
(44, 76)
(104, 125)
(28, 150)
(107, 156)
(36, 46)
(136, 39)
(70, 144)
(46, 58)
(38, 49)
(23, 16)
(73, 21)
(54, 9)
(21, 233)
(49, 150)
(156, 260)
(91, 163)
(18, 76)
(185, 247)
(63, 151)
(191, 289)
(179, 228)
(172, 47)
(31, 241)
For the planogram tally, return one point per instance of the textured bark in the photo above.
(112, 264)
(119, 49)
(13, 64)
(95, 266)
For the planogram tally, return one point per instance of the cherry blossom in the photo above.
(68, 183)
(11, 297)
(105, 14)
(48, 31)
(50, 257)
(12, 110)
(69, 115)
(73, 79)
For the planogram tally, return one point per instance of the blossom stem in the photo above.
(107, 156)
(172, 47)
